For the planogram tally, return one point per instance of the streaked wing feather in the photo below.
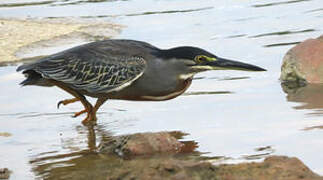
(101, 75)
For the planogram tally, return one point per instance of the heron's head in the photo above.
(199, 60)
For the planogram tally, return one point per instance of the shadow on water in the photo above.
(52, 3)
(314, 10)
(206, 93)
(281, 44)
(282, 33)
(308, 96)
(279, 33)
(278, 3)
(69, 2)
(150, 13)
(9, 5)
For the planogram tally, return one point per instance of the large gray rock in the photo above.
(304, 62)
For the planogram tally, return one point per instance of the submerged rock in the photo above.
(164, 159)
(274, 167)
(163, 168)
(304, 62)
(146, 144)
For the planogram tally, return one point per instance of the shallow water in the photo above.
(229, 113)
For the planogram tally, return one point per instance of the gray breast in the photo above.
(160, 79)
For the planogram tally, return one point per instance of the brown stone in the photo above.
(274, 167)
(146, 144)
(4, 173)
(304, 62)
(162, 166)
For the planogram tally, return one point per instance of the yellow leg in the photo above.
(87, 106)
(79, 113)
(92, 115)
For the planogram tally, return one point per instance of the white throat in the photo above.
(186, 76)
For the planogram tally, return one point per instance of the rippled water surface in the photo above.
(228, 113)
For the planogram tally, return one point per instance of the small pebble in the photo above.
(4, 173)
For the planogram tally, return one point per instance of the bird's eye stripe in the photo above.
(200, 58)
(203, 58)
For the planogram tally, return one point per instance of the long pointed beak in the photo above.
(226, 64)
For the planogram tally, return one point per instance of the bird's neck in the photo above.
(186, 76)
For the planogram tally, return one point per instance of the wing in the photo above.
(95, 74)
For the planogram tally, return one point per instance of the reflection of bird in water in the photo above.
(84, 163)
(98, 163)
(92, 133)
(123, 69)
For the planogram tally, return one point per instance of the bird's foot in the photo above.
(79, 113)
(67, 101)
(90, 119)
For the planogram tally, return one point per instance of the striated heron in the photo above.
(123, 69)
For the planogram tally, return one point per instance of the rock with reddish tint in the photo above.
(146, 144)
(304, 62)
(275, 167)
(162, 168)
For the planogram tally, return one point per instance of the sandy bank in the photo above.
(25, 38)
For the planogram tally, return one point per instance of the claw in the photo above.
(66, 101)
(59, 103)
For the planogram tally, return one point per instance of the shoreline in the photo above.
(27, 38)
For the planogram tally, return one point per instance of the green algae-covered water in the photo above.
(228, 113)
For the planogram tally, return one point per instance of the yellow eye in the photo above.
(200, 59)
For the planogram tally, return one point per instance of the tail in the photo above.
(26, 66)
(32, 78)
